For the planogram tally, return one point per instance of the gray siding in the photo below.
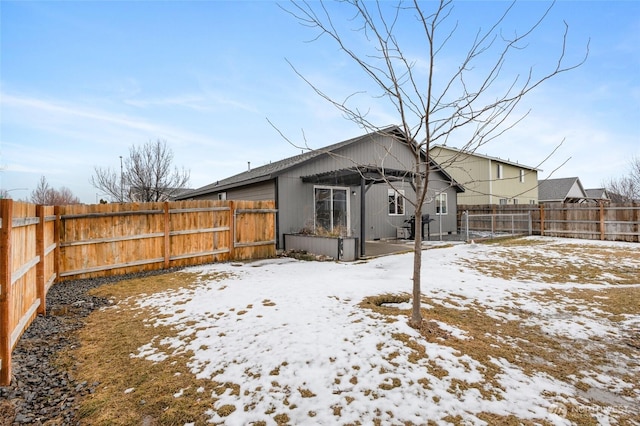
(257, 192)
(296, 209)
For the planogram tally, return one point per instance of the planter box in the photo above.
(340, 248)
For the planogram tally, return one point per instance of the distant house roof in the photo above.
(597, 193)
(562, 190)
(272, 170)
(475, 154)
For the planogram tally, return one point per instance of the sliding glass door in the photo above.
(332, 210)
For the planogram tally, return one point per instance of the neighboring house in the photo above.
(597, 194)
(343, 188)
(488, 180)
(562, 190)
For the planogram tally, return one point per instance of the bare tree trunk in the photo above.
(416, 316)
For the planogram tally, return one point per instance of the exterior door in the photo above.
(332, 210)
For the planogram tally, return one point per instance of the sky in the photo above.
(83, 81)
(260, 318)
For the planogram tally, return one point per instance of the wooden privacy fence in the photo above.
(40, 245)
(594, 221)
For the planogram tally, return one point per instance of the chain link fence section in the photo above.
(495, 225)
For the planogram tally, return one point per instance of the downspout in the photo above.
(363, 231)
(277, 206)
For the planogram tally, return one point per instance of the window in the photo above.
(521, 176)
(503, 201)
(331, 209)
(222, 195)
(515, 201)
(500, 172)
(396, 202)
(441, 203)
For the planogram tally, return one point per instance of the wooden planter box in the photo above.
(339, 248)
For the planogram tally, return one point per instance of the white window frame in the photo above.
(398, 201)
(222, 195)
(503, 201)
(348, 200)
(521, 175)
(500, 171)
(441, 200)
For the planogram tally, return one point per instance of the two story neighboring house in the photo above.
(488, 180)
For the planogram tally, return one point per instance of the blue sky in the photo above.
(80, 82)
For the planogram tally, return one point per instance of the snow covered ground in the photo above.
(293, 336)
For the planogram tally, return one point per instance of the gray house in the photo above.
(353, 188)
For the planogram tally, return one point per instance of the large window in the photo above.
(396, 202)
(441, 203)
(331, 210)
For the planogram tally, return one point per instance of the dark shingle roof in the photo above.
(596, 193)
(271, 170)
(555, 189)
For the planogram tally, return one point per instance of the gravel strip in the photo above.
(40, 393)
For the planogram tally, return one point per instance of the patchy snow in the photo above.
(292, 335)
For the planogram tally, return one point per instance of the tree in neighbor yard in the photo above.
(44, 194)
(147, 175)
(626, 187)
(432, 99)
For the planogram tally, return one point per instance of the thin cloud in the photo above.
(59, 112)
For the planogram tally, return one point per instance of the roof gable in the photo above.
(560, 189)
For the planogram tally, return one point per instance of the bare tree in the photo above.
(45, 194)
(627, 187)
(42, 193)
(470, 104)
(147, 175)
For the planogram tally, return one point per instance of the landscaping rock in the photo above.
(40, 392)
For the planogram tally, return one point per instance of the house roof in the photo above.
(475, 154)
(272, 170)
(597, 193)
(557, 190)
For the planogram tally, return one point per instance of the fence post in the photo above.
(6, 213)
(40, 291)
(635, 207)
(541, 220)
(56, 240)
(232, 230)
(602, 230)
(530, 223)
(466, 223)
(493, 220)
(167, 239)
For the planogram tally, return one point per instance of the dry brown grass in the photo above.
(134, 391)
(525, 344)
(112, 334)
(565, 263)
